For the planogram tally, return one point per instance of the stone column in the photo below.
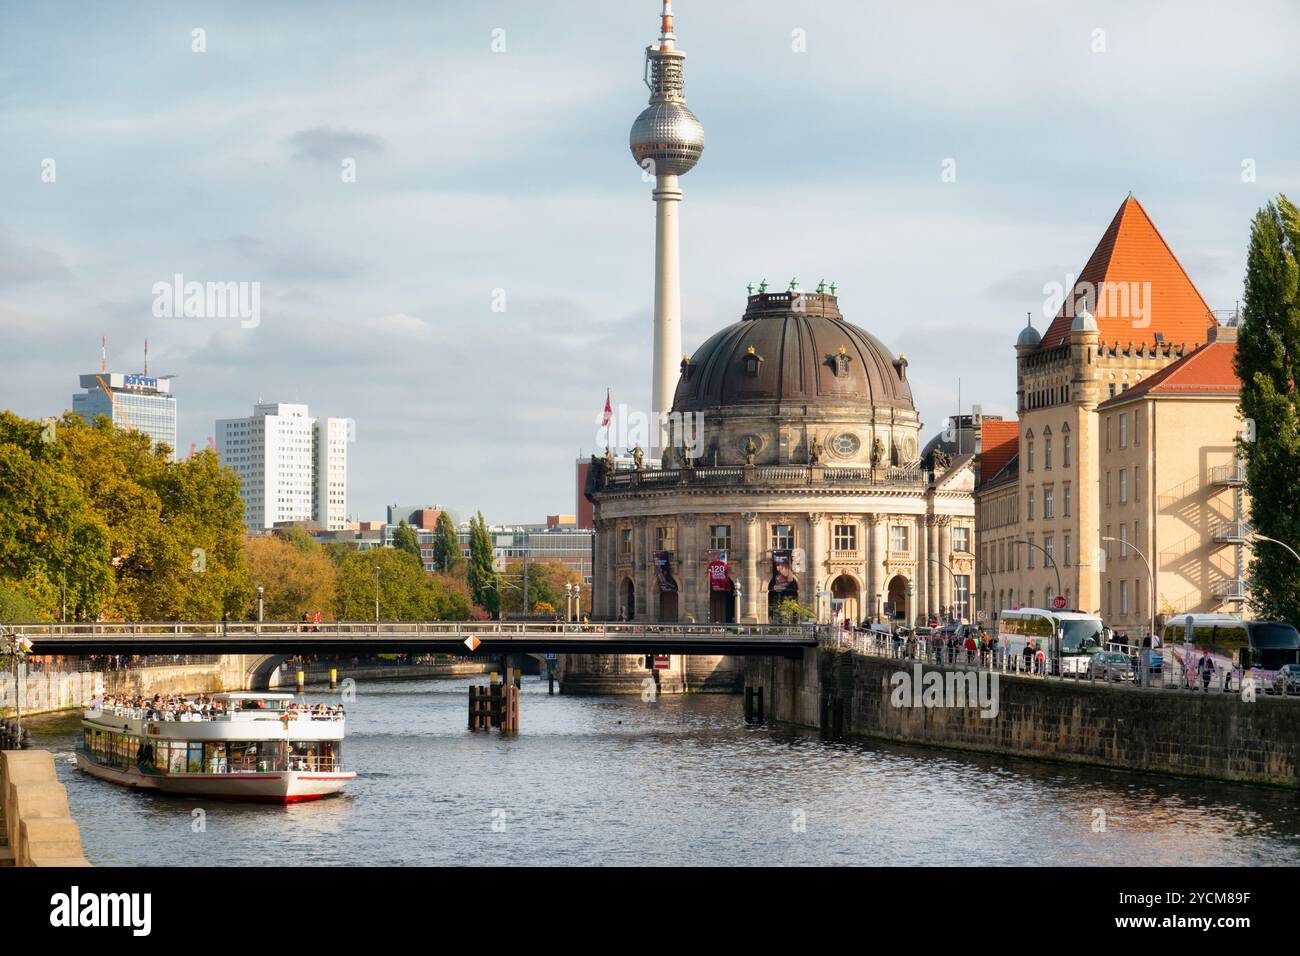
(817, 570)
(877, 529)
(689, 569)
(921, 602)
(640, 565)
(749, 571)
(935, 570)
(945, 555)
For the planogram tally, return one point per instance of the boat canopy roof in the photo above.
(250, 695)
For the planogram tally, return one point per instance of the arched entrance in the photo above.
(845, 603)
(722, 604)
(668, 606)
(627, 600)
(897, 597)
(789, 592)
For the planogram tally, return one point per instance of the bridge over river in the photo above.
(416, 637)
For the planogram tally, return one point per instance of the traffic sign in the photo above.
(472, 642)
(661, 662)
(979, 616)
(1058, 602)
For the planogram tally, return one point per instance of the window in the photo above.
(1108, 487)
(782, 537)
(1030, 550)
(625, 540)
(1065, 450)
(1049, 501)
(1029, 451)
(846, 537)
(666, 538)
(1123, 486)
(961, 596)
(1047, 451)
(1065, 499)
(1137, 482)
(1108, 418)
(1123, 430)
(1123, 541)
(1137, 429)
(898, 538)
(720, 537)
(1123, 597)
(1049, 546)
(1029, 503)
(961, 539)
(1067, 556)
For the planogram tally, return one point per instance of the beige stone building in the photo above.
(1172, 491)
(1132, 312)
(810, 483)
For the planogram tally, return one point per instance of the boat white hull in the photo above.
(288, 786)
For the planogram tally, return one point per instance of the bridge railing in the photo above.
(409, 629)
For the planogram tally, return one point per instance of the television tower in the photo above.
(666, 141)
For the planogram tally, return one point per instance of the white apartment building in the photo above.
(292, 467)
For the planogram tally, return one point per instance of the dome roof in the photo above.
(793, 347)
(1083, 322)
(1028, 336)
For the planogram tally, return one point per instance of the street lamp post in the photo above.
(1151, 583)
(261, 592)
(1256, 536)
(737, 586)
(376, 594)
(568, 600)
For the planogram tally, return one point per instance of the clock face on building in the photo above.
(845, 445)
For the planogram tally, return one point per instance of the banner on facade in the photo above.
(782, 572)
(664, 570)
(718, 580)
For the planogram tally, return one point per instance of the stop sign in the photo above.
(1058, 602)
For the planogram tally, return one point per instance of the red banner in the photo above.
(718, 580)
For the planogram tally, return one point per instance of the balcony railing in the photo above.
(1231, 474)
(1231, 532)
(1229, 591)
(782, 475)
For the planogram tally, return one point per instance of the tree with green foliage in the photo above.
(790, 611)
(406, 591)
(1268, 353)
(480, 572)
(446, 545)
(405, 539)
(298, 537)
(132, 534)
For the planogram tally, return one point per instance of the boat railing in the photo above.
(170, 716)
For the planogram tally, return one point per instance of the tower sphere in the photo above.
(668, 134)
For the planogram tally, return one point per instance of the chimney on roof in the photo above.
(1222, 333)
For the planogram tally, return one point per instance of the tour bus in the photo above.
(1081, 635)
(1232, 644)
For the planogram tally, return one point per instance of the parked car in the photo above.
(1287, 680)
(1110, 665)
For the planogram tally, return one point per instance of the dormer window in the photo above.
(840, 361)
(752, 361)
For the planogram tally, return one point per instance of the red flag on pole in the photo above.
(604, 419)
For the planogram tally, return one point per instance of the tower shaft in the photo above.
(668, 294)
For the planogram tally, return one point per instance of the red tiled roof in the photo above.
(999, 443)
(1209, 370)
(1131, 254)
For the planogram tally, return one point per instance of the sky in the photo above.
(469, 294)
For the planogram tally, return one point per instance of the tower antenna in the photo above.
(103, 353)
(146, 357)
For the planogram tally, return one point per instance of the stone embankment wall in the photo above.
(37, 827)
(1214, 736)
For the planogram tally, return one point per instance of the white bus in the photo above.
(1233, 645)
(1071, 637)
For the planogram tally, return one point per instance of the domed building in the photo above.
(795, 473)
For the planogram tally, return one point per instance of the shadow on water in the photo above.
(616, 780)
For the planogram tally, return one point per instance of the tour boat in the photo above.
(256, 748)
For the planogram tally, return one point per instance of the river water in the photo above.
(614, 780)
